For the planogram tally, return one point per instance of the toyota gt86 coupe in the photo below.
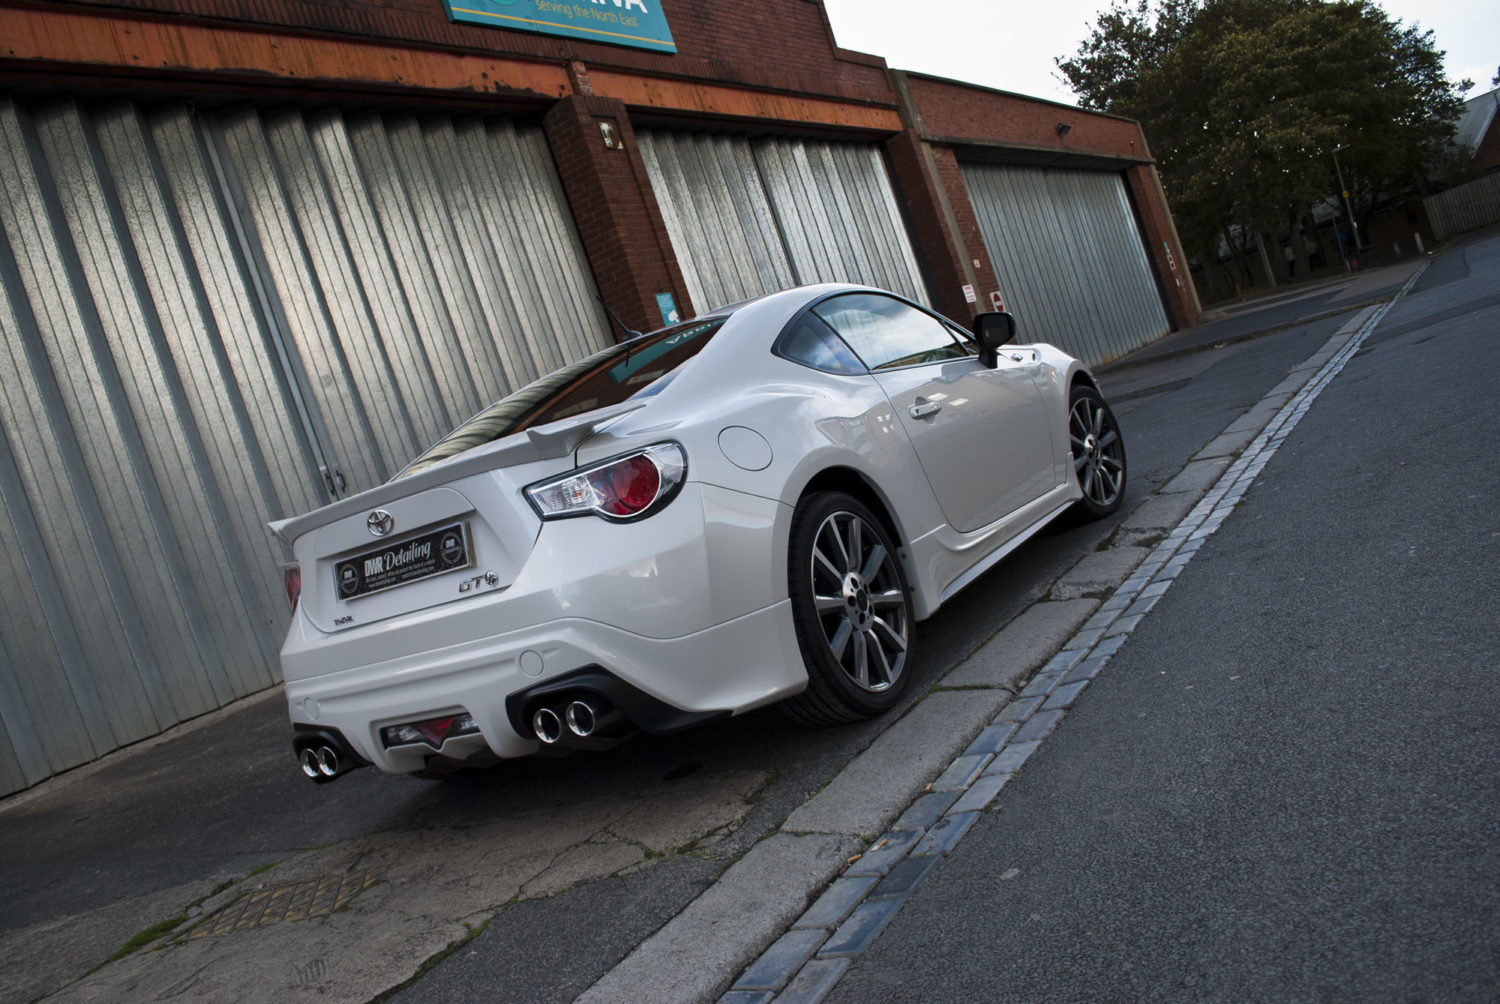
(751, 507)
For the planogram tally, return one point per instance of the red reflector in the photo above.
(435, 730)
(291, 578)
(633, 485)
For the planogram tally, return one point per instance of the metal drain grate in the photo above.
(302, 901)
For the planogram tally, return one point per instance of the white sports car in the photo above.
(753, 506)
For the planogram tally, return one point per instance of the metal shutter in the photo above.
(201, 316)
(1069, 258)
(748, 217)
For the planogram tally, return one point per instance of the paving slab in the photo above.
(353, 920)
(1229, 443)
(40, 959)
(1097, 575)
(701, 950)
(1196, 477)
(1022, 645)
(881, 782)
(1256, 418)
(1158, 513)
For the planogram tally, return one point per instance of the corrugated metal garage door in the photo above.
(1069, 257)
(751, 216)
(210, 321)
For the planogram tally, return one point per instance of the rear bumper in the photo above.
(687, 607)
(733, 667)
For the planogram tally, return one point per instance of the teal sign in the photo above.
(639, 24)
(668, 308)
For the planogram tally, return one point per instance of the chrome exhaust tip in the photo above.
(547, 726)
(581, 718)
(587, 717)
(323, 754)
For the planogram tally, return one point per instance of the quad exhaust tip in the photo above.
(321, 763)
(324, 755)
(583, 718)
(547, 725)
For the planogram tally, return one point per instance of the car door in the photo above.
(981, 435)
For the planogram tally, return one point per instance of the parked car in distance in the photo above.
(751, 507)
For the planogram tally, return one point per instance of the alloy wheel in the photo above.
(1098, 452)
(860, 606)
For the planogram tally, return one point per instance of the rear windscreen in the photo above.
(631, 369)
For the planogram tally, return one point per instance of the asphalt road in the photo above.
(211, 804)
(1284, 786)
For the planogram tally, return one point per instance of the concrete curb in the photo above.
(701, 949)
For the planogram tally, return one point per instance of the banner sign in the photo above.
(639, 24)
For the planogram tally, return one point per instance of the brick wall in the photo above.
(777, 44)
(616, 212)
(960, 113)
(1163, 246)
(943, 226)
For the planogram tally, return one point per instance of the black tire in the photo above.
(852, 610)
(1098, 452)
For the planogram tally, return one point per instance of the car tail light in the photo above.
(291, 578)
(622, 488)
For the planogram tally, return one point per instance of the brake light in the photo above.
(633, 485)
(623, 488)
(291, 578)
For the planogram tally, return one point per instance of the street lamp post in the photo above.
(1353, 226)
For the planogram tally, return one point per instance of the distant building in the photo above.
(1479, 132)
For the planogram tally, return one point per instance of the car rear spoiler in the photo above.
(544, 442)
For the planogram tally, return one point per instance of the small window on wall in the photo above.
(886, 333)
(812, 343)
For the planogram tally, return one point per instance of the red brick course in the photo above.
(728, 43)
(1163, 246)
(615, 210)
(942, 223)
(963, 113)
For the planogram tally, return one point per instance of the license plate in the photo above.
(445, 549)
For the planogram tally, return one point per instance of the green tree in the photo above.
(1244, 101)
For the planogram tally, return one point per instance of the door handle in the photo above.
(923, 408)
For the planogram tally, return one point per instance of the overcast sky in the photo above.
(1010, 44)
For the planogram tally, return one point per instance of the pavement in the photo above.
(362, 917)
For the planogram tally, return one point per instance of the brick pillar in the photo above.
(944, 227)
(1164, 246)
(615, 209)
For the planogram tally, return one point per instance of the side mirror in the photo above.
(992, 330)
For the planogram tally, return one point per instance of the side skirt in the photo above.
(994, 557)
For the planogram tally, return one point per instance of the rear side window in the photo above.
(886, 333)
(812, 343)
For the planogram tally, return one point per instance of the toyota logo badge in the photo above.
(380, 522)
